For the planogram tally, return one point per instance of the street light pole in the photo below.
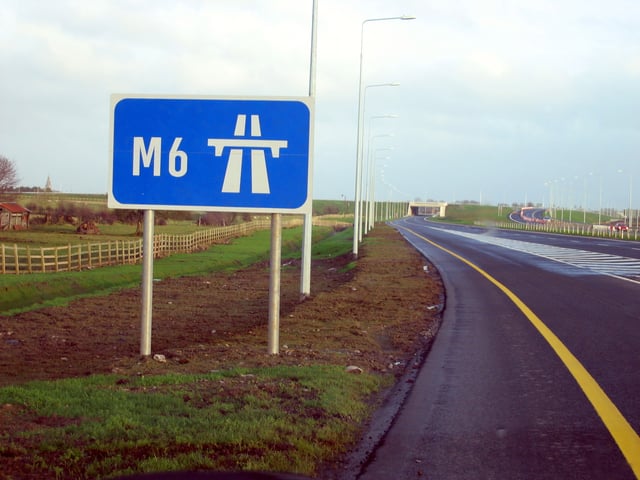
(367, 194)
(371, 174)
(600, 202)
(372, 181)
(358, 179)
(361, 157)
(630, 209)
(629, 215)
(305, 278)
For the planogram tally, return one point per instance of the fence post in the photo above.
(17, 258)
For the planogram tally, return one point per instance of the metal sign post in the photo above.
(147, 282)
(274, 284)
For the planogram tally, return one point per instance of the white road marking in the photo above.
(601, 263)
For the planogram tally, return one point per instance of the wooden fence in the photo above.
(16, 259)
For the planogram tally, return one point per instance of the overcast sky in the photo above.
(498, 101)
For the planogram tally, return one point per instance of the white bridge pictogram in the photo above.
(233, 174)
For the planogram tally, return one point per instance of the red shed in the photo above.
(13, 216)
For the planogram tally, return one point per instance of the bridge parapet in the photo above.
(427, 208)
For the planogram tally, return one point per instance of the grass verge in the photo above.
(281, 418)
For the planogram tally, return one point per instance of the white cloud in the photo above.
(542, 83)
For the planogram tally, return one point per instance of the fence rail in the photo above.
(16, 259)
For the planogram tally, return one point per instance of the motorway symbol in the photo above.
(232, 176)
(216, 154)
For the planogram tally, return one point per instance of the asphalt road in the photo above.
(535, 372)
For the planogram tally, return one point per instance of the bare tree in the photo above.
(8, 174)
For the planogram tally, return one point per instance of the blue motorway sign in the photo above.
(215, 154)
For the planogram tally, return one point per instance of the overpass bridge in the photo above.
(427, 208)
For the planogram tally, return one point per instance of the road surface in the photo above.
(535, 372)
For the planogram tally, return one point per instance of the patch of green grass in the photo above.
(281, 418)
(23, 292)
(469, 214)
(334, 245)
(349, 266)
(579, 216)
(340, 218)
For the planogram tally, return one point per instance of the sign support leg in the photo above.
(274, 284)
(305, 281)
(147, 283)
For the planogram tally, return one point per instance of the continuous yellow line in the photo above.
(625, 437)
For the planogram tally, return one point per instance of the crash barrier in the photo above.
(15, 259)
(571, 229)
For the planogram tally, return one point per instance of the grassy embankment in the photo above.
(470, 214)
(76, 428)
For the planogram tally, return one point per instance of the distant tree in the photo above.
(331, 210)
(217, 218)
(8, 174)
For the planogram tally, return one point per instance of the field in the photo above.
(77, 400)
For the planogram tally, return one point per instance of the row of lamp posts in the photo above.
(554, 202)
(358, 217)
